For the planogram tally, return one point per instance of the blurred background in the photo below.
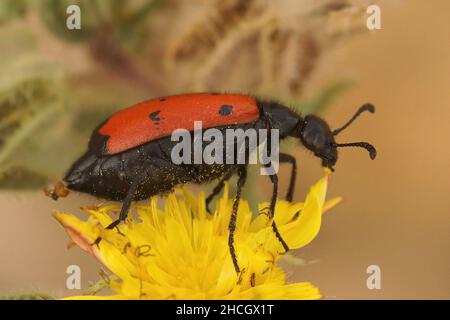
(318, 56)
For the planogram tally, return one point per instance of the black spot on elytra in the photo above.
(162, 99)
(154, 116)
(226, 110)
(215, 93)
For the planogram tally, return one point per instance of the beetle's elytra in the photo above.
(128, 156)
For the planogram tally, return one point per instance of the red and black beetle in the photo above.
(129, 154)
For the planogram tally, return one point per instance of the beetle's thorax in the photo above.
(280, 117)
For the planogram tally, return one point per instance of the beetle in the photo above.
(129, 154)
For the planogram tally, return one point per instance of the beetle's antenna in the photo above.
(370, 148)
(367, 107)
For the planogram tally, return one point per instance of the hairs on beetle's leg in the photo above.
(287, 158)
(218, 188)
(242, 176)
(273, 202)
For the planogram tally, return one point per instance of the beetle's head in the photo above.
(80, 174)
(316, 136)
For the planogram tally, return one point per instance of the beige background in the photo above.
(395, 213)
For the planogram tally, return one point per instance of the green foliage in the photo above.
(14, 178)
(24, 109)
(121, 20)
(20, 107)
(43, 126)
(42, 131)
(27, 296)
(54, 15)
(11, 9)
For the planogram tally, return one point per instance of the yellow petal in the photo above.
(179, 251)
(82, 233)
(304, 229)
(331, 203)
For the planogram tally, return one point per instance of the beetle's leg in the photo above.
(273, 202)
(126, 203)
(274, 179)
(218, 188)
(125, 206)
(287, 158)
(242, 176)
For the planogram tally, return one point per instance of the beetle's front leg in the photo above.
(287, 158)
(126, 203)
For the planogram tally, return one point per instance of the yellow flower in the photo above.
(181, 252)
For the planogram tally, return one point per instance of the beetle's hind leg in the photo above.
(273, 201)
(242, 176)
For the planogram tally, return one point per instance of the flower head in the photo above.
(180, 251)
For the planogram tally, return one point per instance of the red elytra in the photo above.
(158, 118)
